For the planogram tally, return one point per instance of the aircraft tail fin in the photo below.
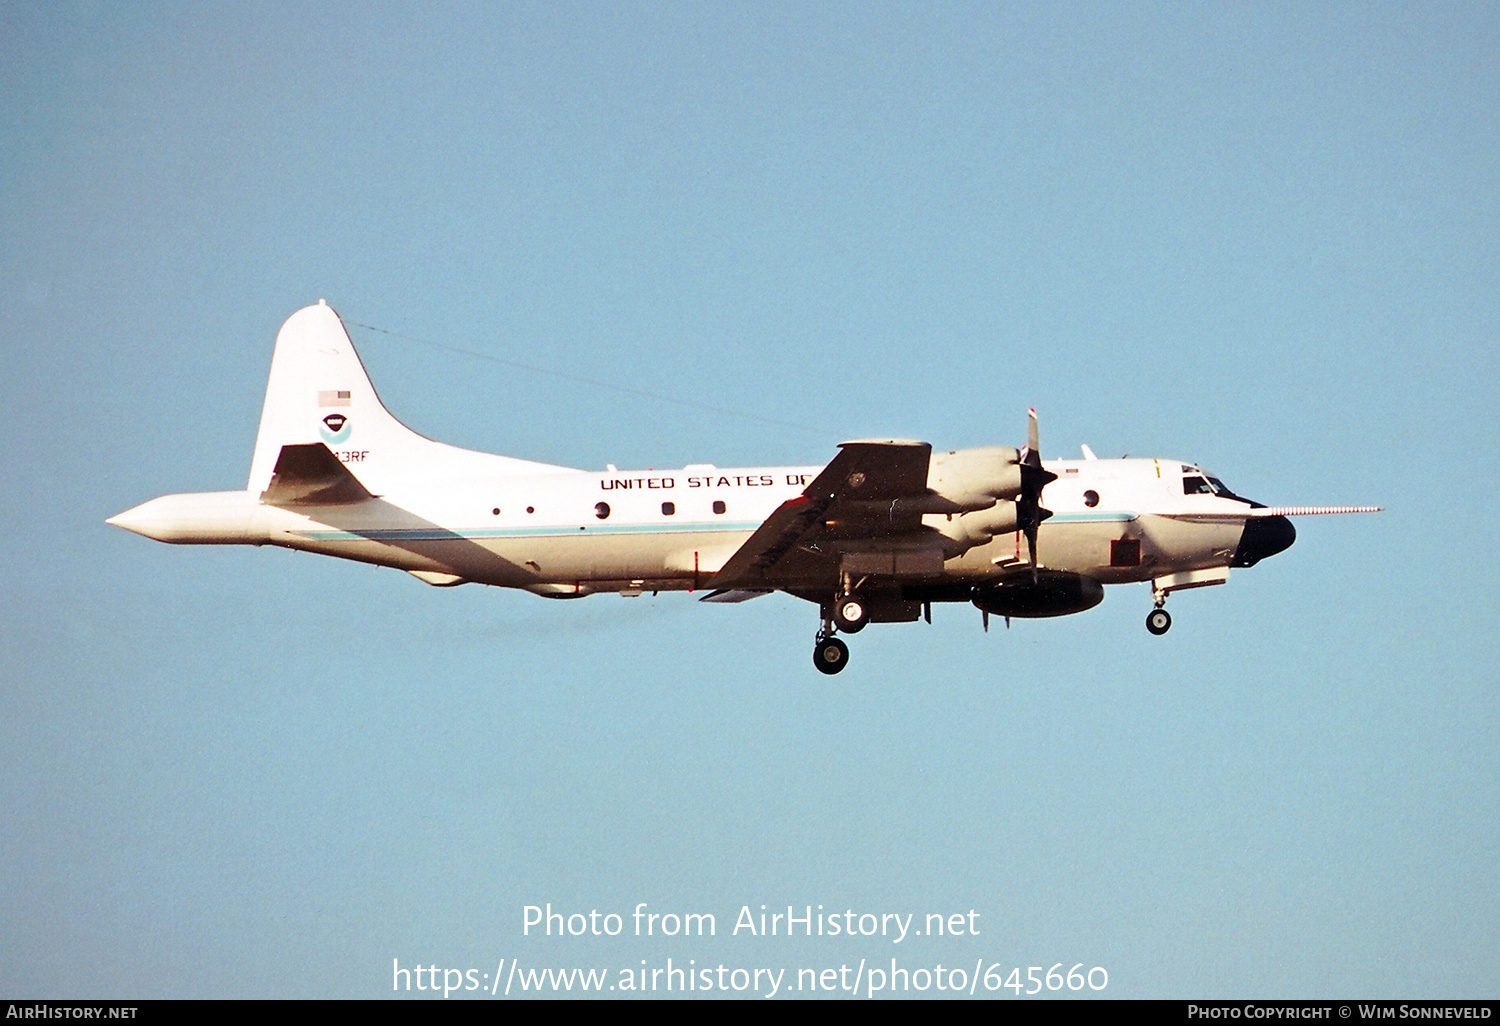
(319, 393)
(319, 399)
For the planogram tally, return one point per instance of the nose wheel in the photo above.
(1158, 621)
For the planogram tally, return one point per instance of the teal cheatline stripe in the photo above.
(1091, 518)
(587, 530)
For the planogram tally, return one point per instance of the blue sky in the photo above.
(1256, 236)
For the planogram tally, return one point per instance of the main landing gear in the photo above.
(848, 613)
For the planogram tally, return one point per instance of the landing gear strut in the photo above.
(850, 613)
(1159, 621)
(846, 613)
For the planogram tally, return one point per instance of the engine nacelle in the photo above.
(969, 477)
(1054, 593)
(967, 530)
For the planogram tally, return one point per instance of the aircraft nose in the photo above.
(1262, 537)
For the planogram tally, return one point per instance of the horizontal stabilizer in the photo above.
(732, 595)
(311, 475)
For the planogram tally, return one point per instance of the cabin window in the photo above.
(1091, 498)
(719, 506)
(495, 511)
(668, 508)
(601, 510)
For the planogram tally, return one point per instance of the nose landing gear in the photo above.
(1159, 621)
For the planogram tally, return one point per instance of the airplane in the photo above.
(877, 535)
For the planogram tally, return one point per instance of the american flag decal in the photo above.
(333, 398)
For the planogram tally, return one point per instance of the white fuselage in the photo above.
(565, 532)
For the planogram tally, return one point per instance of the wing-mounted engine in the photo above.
(977, 489)
(973, 479)
(1013, 478)
(964, 531)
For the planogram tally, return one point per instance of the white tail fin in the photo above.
(319, 392)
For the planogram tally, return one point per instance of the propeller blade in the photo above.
(1034, 477)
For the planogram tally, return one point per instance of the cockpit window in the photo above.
(1197, 482)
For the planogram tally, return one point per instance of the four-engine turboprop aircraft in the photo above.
(876, 536)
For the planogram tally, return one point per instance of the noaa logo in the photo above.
(335, 429)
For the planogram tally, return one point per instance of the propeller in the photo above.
(1029, 511)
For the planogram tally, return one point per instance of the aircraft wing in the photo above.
(871, 490)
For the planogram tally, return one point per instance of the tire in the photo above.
(830, 655)
(1158, 621)
(850, 614)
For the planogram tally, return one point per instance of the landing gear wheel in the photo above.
(850, 615)
(1158, 621)
(830, 655)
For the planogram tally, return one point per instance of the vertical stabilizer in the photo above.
(319, 393)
